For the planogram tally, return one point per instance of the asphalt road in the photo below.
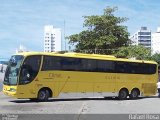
(79, 109)
(80, 106)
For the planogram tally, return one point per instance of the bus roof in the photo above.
(81, 55)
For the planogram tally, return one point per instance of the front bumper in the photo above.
(10, 90)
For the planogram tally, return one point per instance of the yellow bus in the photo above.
(40, 76)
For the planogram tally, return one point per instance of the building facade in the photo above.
(156, 41)
(52, 39)
(142, 37)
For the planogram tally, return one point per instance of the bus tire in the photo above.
(123, 93)
(134, 93)
(43, 95)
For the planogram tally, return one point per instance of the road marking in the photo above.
(82, 110)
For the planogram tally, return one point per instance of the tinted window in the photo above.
(29, 69)
(135, 68)
(121, 67)
(91, 65)
(105, 66)
(70, 63)
(51, 63)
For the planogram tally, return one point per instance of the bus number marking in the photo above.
(112, 77)
(54, 75)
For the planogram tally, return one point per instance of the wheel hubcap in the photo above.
(42, 95)
(123, 94)
(134, 94)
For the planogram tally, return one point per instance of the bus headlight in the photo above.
(12, 90)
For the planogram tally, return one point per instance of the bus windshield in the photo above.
(12, 71)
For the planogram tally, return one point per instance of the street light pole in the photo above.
(64, 35)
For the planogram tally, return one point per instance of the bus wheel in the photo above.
(123, 93)
(43, 95)
(134, 94)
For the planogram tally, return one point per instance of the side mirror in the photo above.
(13, 62)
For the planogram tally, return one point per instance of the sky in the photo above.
(22, 21)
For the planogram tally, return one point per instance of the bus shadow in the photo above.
(65, 99)
(80, 99)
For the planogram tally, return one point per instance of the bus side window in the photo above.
(82, 66)
(77, 64)
(30, 69)
(67, 63)
(101, 66)
(51, 63)
(91, 65)
(110, 66)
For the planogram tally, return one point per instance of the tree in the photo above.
(156, 57)
(103, 32)
(138, 52)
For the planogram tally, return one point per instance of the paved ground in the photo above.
(80, 106)
(1, 80)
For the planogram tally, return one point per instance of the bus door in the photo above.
(28, 75)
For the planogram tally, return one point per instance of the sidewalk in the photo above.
(1, 80)
(1, 86)
(1, 76)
